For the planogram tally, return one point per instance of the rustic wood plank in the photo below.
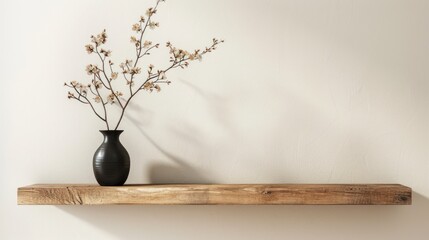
(216, 194)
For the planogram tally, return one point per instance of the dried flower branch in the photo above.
(102, 79)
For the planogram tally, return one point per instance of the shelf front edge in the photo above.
(216, 194)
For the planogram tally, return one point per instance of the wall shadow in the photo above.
(287, 151)
(178, 171)
(259, 222)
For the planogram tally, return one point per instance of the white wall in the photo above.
(301, 92)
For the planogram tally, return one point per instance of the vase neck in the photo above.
(111, 135)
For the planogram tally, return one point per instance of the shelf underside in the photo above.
(216, 194)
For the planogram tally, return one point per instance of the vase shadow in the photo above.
(178, 171)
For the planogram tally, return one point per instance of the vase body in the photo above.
(111, 162)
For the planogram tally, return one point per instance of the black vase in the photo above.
(111, 162)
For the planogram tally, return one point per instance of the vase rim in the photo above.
(102, 131)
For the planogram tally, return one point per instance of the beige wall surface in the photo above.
(300, 92)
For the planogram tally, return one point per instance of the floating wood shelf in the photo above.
(216, 194)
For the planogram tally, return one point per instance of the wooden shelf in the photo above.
(216, 194)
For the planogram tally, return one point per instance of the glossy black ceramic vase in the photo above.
(111, 162)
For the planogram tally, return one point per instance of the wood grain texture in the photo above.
(216, 194)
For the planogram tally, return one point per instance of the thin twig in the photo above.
(90, 104)
(104, 106)
(107, 78)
